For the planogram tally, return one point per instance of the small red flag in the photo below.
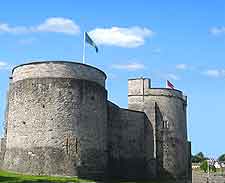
(170, 85)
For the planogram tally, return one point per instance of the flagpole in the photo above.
(84, 49)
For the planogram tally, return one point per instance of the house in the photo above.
(195, 165)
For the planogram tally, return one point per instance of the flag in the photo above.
(170, 85)
(90, 41)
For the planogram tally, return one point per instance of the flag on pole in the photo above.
(90, 41)
(170, 85)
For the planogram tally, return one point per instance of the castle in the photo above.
(58, 121)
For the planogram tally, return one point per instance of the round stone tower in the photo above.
(166, 109)
(57, 120)
(171, 131)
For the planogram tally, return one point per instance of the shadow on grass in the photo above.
(5, 179)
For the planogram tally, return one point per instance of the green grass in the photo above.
(9, 177)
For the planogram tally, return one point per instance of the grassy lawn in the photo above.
(8, 177)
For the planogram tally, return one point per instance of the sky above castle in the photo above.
(182, 41)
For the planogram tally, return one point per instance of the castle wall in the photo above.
(138, 86)
(136, 101)
(2, 150)
(171, 132)
(189, 163)
(130, 144)
(57, 126)
(169, 127)
(7, 110)
(59, 69)
(59, 122)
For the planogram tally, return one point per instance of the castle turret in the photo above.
(166, 110)
(57, 120)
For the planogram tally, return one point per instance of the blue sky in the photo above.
(183, 41)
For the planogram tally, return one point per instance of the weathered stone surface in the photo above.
(58, 69)
(166, 110)
(2, 150)
(57, 126)
(138, 86)
(130, 144)
(59, 122)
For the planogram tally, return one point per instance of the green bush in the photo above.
(204, 166)
(212, 168)
(222, 157)
(198, 158)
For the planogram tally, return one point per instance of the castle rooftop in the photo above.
(58, 69)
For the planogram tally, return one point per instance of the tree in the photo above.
(200, 155)
(212, 168)
(204, 166)
(198, 158)
(222, 158)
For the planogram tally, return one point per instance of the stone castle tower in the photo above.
(59, 122)
(166, 109)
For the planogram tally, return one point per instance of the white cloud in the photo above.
(173, 76)
(181, 66)
(130, 66)
(3, 65)
(14, 30)
(53, 24)
(123, 37)
(217, 30)
(215, 73)
(58, 24)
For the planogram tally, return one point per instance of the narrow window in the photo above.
(165, 124)
(76, 145)
(67, 145)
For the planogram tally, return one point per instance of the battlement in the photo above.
(138, 86)
(166, 92)
(142, 87)
(58, 69)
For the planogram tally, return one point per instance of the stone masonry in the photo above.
(59, 122)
